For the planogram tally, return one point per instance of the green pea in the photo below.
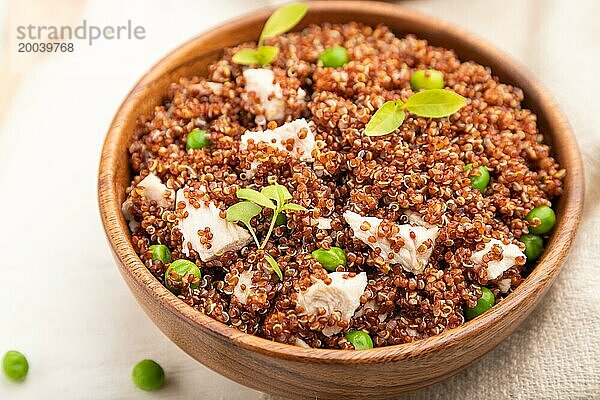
(360, 339)
(330, 259)
(547, 219)
(427, 79)
(181, 268)
(160, 252)
(196, 139)
(481, 180)
(148, 375)
(484, 303)
(281, 219)
(334, 57)
(15, 365)
(534, 246)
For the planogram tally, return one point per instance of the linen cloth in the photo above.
(63, 303)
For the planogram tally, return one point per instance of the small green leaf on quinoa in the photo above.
(282, 20)
(282, 194)
(266, 54)
(435, 103)
(275, 192)
(274, 266)
(280, 220)
(263, 55)
(243, 212)
(292, 207)
(385, 120)
(246, 57)
(252, 206)
(256, 197)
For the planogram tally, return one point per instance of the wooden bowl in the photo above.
(296, 372)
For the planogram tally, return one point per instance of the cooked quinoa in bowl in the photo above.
(362, 240)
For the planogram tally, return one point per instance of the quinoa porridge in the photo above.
(398, 237)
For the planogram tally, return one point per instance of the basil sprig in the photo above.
(263, 55)
(281, 21)
(433, 103)
(275, 197)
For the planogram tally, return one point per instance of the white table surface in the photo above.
(63, 303)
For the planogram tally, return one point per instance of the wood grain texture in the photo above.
(296, 372)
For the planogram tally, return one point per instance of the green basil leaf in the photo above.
(282, 20)
(285, 192)
(385, 120)
(243, 212)
(293, 207)
(435, 103)
(266, 54)
(256, 197)
(281, 194)
(273, 192)
(274, 266)
(246, 57)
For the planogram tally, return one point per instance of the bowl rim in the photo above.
(533, 287)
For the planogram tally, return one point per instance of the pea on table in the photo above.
(15, 365)
(148, 375)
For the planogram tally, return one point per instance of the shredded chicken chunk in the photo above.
(418, 241)
(226, 236)
(261, 82)
(154, 190)
(244, 286)
(296, 134)
(342, 294)
(496, 268)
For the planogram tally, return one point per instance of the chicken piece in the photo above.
(154, 190)
(504, 285)
(343, 294)
(370, 305)
(418, 241)
(128, 214)
(323, 223)
(297, 131)
(495, 268)
(301, 343)
(260, 81)
(244, 286)
(227, 236)
(415, 218)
